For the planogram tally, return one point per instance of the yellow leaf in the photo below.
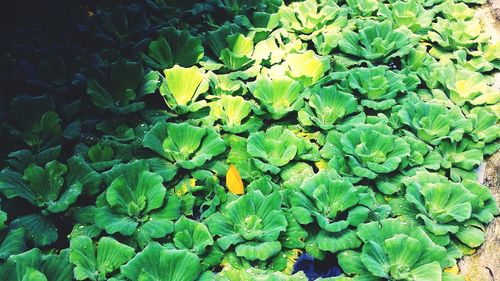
(192, 182)
(233, 181)
(292, 257)
(322, 164)
(452, 270)
(182, 190)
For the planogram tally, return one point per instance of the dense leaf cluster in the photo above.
(356, 126)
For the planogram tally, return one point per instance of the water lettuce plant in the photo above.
(326, 106)
(362, 8)
(173, 47)
(378, 86)
(34, 265)
(277, 147)
(471, 87)
(182, 86)
(121, 93)
(457, 34)
(433, 122)
(377, 41)
(184, 145)
(160, 263)
(485, 128)
(234, 112)
(442, 205)
(308, 17)
(39, 128)
(324, 199)
(135, 203)
(278, 95)
(251, 223)
(306, 67)
(410, 14)
(396, 250)
(52, 188)
(94, 263)
(238, 54)
(366, 150)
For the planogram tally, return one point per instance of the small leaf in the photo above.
(233, 181)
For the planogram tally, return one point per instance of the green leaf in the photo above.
(39, 229)
(174, 47)
(230, 273)
(338, 241)
(442, 203)
(258, 251)
(233, 112)
(364, 8)
(326, 106)
(378, 86)
(485, 124)
(366, 158)
(14, 243)
(252, 217)
(192, 235)
(120, 94)
(279, 95)
(57, 267)
(375, 260)
(306, 67)
(134, 200)
(110, 255)
(410, 14)
(35, 122)
(46, 184)
(309, 17)
(158, 263)
(471, 87)
(53, 187)
(238, 53)
(471, 236)
(183, 144)
(182, 86)
(427, 272)
(327, 196)
(403, 251)
(377, 41)
(350, 261)
(33, 265)
(278, 146)
(452, 35)
(434, 122)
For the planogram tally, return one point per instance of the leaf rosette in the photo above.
(434, 122)
(234, 112)
(173, 47)
(447, 208)
(326, 106)
(252, 223)
(394, 249)
(134, 204)
(377, 41)
(410, 14)
(378, 86)
(182, 86)
(278, 94)
(366, 151)
(184, 145)
(52, 187)
(278, 146)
